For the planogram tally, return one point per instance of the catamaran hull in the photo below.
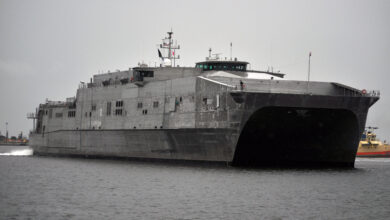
(275, 129)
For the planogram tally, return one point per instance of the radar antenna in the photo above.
(171, 47)
(214, 56)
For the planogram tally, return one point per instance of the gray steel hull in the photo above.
(215, 145)
(275, 129)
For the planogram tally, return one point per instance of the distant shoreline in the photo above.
(14, 144)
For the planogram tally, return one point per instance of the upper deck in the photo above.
(141, 75)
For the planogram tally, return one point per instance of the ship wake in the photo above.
(24, 152)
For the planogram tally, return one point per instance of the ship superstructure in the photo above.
(210, 112)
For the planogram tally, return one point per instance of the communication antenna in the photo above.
(231, 49)
(308, 75)
(170, 47)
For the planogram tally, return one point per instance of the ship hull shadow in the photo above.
(290, 136)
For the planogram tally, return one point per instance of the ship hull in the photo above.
(214, 145)
(300, 130)
(265, 129)
(276, 130)
(381, 154)
(199, 145)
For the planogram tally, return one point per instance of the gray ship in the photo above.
(214, 112)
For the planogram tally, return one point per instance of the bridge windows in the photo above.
(227, 65)
(148, 73)
(140, 74)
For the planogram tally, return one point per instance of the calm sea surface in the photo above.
(71, 188)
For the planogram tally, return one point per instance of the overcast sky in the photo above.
(48, 47)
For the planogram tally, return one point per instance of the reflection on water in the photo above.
(27, 151)
(15, 151)
(74, 188)
(378, 160)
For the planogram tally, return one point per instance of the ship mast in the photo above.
(171, 47)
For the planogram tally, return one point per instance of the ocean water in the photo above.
(74, 188)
